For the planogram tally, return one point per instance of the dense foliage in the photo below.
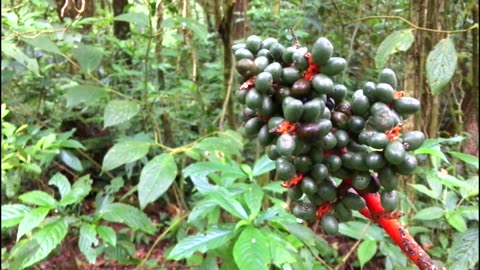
(121, 143)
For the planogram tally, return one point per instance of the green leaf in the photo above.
(441, 65)
(366, 251)
(12, 214)
(71, 160)
(433, 152)
(86, 94)
(353, 229)
(124, 152)
(156, 177)
(213, 238)
(11, 50)
(39, 198)
(464, 252)
(430, 213)
(48, 237)
(275, 187)
(119, 111)
(469, 159)
(456, 220)
(202, 184)
(281, 250)
(306, 235)
(61, 182)
(207, 167)
(263, 165)
(129, 215)
(201, 209)
(423, 189)
(43, 43)
(253, 198)
(140, 19)
(21, 252)
(452, 181)
(31, 220)
(227, 142)
(225, 200)
(89, 57)
(400, 40)
(79, 191)
(251, 250)
(87, 241)
(107, 234)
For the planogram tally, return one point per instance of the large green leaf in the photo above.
(353, 229)
(107, 234)
(201, 209)
(39, 198)
(86, 94)
(79, 191)
(430, 213)
(21, 252)
(139, 19)
(48, 237)
(227, 142)
(456, 220)
(61, 182)
(464, 251)
(124, 152)
(202, 242)
(400, 40)
(251, 250)
(11, 50)
(366, 251)
(225, 200)
(423, 189)
(253, 198)
(441, 65)
(156, 177)
(119, 111)
(263, 165)
(87, 242)
(31, 220)
(89, 57)
(43, 43)
(71, 160)
(12, 214)
(307, 236)
(129, 215)
(469, 159)
(207, 167)
(281, 250)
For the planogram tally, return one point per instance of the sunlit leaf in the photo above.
(251, 250)
(366, 251)
(400, 40)
(71, 160)
(129, 215)
(85, 94)
(124, 152)
(38, 197)
(119, 111)
(31, 220)
(87, 241)
(464, 251)
(441, 65)
(430, 213)
(12, 214)
(89, 57)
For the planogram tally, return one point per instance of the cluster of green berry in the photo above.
(317, 136)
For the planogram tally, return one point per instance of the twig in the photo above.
(416, 27)
(354, 247)
(227, 98)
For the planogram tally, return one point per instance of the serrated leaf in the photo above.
(78, 192)
(48, 237)
(156, 177)
(456, 220)
(89, 57)
(225, 200)
(441, 65)
(253, 198)
(39, 198)
(202, 242)
(31, 220)
(124, 152)
(464, 252)
(43, 43)
(11, 50)
(61, 182)
(12, 214)
(129, 215)
(469, 159)
(251, 250)
(366, 251)
(71, 160)
(87, 241)
(107, 234)
(430, 213)
(86, 94)
(139, 19)
(263, 165)
(400, 40)
(119, 111)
